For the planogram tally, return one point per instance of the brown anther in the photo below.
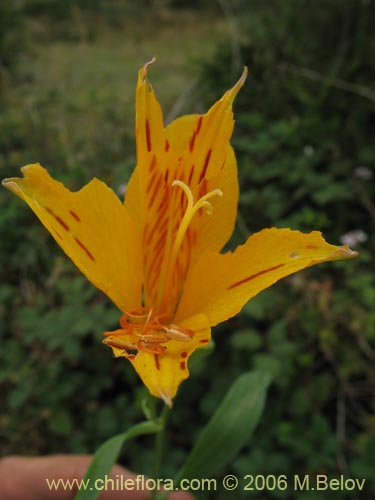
(120, 344)
(153, 337)
(180, 333)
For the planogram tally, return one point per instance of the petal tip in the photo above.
(166, 398)
(240, 81)
(230, 95)
(7, 181)
(144, 70)
(243, 77)
(11, 183)
(346, 253)
(151, 61)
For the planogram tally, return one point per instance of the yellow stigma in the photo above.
(191, 209)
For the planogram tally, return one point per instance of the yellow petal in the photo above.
(180, 132)
(162, 374)
(213, 231)
(196, 151)
(149, 126)
(149, 190)
(220, 285)
(92, 227)
(204, 139)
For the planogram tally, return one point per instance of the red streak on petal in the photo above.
(57, 234)
(148, 136)
(154, 269)
(62, 223)
(152, 164)
(86, 250)
(191, 174)
(131, 356)
(157, 361)
(184, 355)
(151, 284)
(204, 341)
(152, 198)
(183, 203)
(151, 231)
(162, 239)
(203, 188)
(182, 365)
(253, 276)
(166, 175)
(166, 145)
(177, 223)
(59, 219)
(73, 214)
(163, 204)
(206, 162)
(156, 251)
(200, 119)
(311, 247)
(192, 141)
(150, 182)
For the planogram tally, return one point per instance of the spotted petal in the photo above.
(163, 374)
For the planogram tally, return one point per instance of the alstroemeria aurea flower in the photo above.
(157, 256)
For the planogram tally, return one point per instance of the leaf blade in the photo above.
(107, 454)
(229, 428)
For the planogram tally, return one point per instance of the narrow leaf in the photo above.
(230, 427)
(106, 456)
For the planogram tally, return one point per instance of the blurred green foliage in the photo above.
(305, 153)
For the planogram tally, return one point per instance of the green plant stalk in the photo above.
(159, 448)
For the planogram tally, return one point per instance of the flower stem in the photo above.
(159, 448)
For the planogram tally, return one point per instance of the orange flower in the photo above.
(157, 256)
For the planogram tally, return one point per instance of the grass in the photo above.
(87, 75)
(72, 100)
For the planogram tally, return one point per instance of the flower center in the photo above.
(146, 331)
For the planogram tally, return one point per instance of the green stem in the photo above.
(159, 448)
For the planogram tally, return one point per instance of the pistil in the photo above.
(191, 209)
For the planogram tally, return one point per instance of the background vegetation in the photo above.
(305, 152)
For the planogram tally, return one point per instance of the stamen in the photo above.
(120, 344)
(151, 347)
(180, 333)
(147, 332)
(147, 321)
(153, 337)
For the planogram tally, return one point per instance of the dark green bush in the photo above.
(304, 143)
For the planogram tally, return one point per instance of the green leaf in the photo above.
(106, 456)
(230, 427)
